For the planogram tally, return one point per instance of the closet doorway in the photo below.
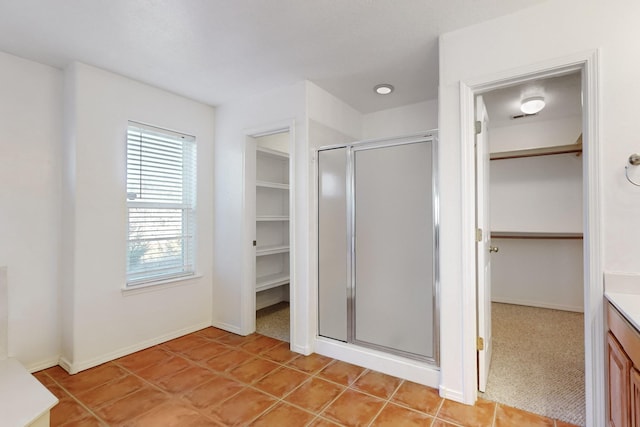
(268, 206)
(533, 350)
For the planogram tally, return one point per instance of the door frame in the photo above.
(248, 285)
(588, 64)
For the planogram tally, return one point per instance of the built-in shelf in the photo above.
(273, 153)
(543, 151)
(271, 281)
(272, 250)
(276, 185)
(263, 218)
(272, 225)
(534, 235)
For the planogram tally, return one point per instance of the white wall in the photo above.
(278, 142)
(405, 120)
(30, 169)
(495, 47)
(546, 133)
(537, 194)
(538, 273)
(541, 194)
(105, 322)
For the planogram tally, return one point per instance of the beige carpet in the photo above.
(538, 361)
(273, 321)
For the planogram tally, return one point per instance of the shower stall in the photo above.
(378, 245)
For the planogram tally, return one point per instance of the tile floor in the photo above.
(215, 378)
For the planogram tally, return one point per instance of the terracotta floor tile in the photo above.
(323, 422)
(418, 396)
(67, 410)
(213, 392)
(341, 372)
(280, 353)
(91, 378)
(242, 408)
(353, 408)
(110, 391)
(185, 343)
(229, 360)
(311, 364)
(88, 421)
(260, 344)
(281, 381)
(397, 416)
(185, 380)
(479, 415)
(377, 383)
(314, 394)
(205, 352)
(253, 370)
(441, 423)
(56, 373)
(563, 424)
(507, 416)
(212, 333)
(132, 405)
(144, 358)
(283, 415)
(57, 391)
(236, 340)
(172, 414)
(43, 378)
(169, 367)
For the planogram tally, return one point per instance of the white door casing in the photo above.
(588, 64)
(483, 246)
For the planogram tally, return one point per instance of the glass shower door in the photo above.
(394, 248)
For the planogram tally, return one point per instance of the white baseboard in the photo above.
(539, 304)
(454, 395)
(228, 327)
(269, 300)
(66, 365)
(412, 370)
(45, 364)
(75, 367)
(302, 349)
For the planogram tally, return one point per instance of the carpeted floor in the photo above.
(538, 361)
(273, 321)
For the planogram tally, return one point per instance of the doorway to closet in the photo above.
(267, 166)
(534, 347)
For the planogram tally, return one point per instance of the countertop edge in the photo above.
(628, 305)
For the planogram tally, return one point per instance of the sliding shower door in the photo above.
(377, 246)
(393, 246)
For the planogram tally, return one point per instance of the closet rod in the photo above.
(535, 235)
(544, 151)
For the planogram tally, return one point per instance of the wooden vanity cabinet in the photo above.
(623, 366)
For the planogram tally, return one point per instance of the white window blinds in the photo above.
(161, 193)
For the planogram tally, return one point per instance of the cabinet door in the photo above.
(635, 398)
(619, 367)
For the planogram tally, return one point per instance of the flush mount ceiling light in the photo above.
(532, 105)
(383, 89)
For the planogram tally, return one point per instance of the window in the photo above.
(161, 184)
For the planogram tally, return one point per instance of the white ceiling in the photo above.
(563, 97)
(216, 50)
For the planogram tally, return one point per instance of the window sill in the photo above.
(160, 285)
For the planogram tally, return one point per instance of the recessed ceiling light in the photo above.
(383, 89)
(532, 105)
